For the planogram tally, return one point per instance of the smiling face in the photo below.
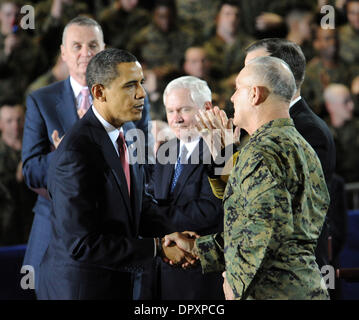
(181, 111)
(124, 96)
(81, 43)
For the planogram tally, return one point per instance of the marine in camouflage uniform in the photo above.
(349, 44)
(275, 204)
(21, 66)
(227, 59)
(199, 15)
(157, 48)
(318, 77)
(119, 26)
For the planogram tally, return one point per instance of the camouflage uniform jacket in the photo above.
(275, 203)
(119, 26)
(227, 59)
(349, 44)
(318, 77)
(157, 48)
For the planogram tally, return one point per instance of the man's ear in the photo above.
(208, 105)
(258, 94)
(98, 92)
(62, 50)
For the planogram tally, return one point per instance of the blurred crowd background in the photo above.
(202, 38)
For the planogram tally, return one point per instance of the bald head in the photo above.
(274, 74)
(264, 89)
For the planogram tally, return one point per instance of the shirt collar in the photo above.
(190, 146)
(76, 87)
(293, 102)
(112, 132)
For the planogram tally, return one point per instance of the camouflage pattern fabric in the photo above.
(318, 77)
(227, 59)
(157, 48)
(275, 203)
(119, 26)
(22, 66)
(349, 44)
(199, 15)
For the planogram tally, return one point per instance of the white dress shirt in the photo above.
(76, 88)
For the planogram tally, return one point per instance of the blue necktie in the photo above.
(179, 167)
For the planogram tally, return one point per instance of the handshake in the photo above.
(179, 249)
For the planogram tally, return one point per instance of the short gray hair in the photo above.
(276, 74)
(84, 22)
(199, 91)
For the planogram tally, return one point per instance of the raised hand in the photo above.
(216, 129)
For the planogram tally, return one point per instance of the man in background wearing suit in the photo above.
(97, 192)
(313, 129)
(184, 189)
(51, 111)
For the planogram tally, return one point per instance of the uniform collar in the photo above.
(282, 122)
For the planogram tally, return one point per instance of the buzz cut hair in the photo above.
(82, 21)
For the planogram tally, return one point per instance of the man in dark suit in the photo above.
(51, 112)
(97, 192)
(182, 186)
(309, 125)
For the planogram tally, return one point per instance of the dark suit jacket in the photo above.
(192, 206)
(94, 246)
(49, 108)
(316, 132)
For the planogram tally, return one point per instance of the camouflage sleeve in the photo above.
(218, 185)
(250, 233)
(210, 251)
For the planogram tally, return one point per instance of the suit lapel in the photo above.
(66, 107)
(137, 184)
(111, 157)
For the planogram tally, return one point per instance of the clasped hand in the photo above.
(179, 249)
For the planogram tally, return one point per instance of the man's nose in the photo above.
(140, 93)
(178, 117)
(86, 51)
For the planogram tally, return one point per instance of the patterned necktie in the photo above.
(85, 102)
(122, 150)
(179, 167)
